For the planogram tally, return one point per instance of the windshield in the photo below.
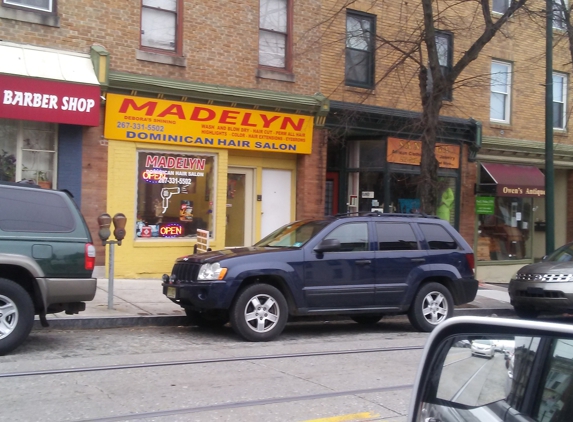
(563, 254)
(293, 235)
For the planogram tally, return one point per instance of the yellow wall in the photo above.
(150, 258)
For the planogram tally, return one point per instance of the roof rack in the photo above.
(385, 214)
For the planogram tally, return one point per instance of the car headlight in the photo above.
(211, 272)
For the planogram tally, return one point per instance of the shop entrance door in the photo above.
(276, 200)
(239, 230)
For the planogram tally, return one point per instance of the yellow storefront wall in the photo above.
(151, 258)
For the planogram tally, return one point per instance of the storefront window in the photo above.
(28, 152)
(175, 194)
(504, 234)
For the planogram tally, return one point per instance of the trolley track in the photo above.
(204, 361)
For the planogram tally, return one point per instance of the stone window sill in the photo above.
(30, 17)
(149, 56)
(277, 75)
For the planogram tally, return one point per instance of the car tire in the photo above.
(259, 313)
(208, 318)
(432, 305)
(16, 315)
(366, 319)
(526, 313)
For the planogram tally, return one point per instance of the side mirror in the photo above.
(328, 245)
(544, 258)
(510, 368)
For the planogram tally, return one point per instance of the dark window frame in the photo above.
(562, 116)
(54, 10)
(178, 51)
(370, 65)
(446, 70)
(288, 67)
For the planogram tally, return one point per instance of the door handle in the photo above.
(363, 262)
(418, 259)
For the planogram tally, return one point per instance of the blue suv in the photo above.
(363, 266)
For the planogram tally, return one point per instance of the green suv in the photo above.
(46, 259)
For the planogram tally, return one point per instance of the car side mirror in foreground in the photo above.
(494, 369)
(328, 245)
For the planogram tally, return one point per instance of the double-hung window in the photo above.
(161, 25)
(559, 100)
(500, 6)
(33, 5)
(500, 101)
(360, 45)
(444, 47)
(275, 27)
(559, 15)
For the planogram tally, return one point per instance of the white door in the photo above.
(239, 207)
(276, 200)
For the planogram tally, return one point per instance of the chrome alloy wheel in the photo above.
(8, 316)
(262, 313)
(435, 308)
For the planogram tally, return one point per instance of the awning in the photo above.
(511, 180)
(48, 85)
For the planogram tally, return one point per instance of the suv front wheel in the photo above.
(16, 315)
(432, 305)
(260, 313)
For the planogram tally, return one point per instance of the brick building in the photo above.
(202, 115)
(491, 146)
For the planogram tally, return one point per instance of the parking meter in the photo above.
(119, 221)
(104, 222)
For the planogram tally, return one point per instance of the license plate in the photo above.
(171, 292)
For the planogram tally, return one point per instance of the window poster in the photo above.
(174, 195)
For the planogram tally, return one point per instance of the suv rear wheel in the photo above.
(260, 313)
(16, 315)
(432, 305)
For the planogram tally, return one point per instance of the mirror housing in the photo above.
(328, 245)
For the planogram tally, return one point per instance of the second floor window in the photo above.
(360, 42)
(35, 5)
(160, 25)
(559, 101)
(499, 108)
(274, 24)
(500, 6)
(444, 47)
(559, 15)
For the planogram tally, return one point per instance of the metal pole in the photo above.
(549, 180)
(110, 276)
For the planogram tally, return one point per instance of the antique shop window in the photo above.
(504, 233)
(28, 152)
(500, 98)
(174, 194)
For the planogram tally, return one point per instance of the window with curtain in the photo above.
(500, 92)
(160, 26)
(559, 101)
(274, 24)
(360, 45)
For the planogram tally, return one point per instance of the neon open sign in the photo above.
(171, 230)
(154, 175)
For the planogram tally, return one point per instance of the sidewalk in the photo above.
(141, 303)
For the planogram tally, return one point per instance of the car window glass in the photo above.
(352, 237)
(438, 237)
(24, 210)
(556, 400)
(396, 237)
(293, 235)
(562, 254)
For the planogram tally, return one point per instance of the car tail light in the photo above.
(471, 261)
(90, 256)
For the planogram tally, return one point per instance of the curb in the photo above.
(173, 321)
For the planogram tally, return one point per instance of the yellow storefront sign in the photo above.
(403, 151)
(138, 119)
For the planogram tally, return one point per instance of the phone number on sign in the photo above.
(140, 126)
(175, 180)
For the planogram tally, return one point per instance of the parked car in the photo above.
(544, 286)
(535, 383)
(362, 266)
(46, 259)
(484, 348)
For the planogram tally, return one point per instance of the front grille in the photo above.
(545, 294)
(545, 278)
(185, 272)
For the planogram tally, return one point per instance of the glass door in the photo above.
(239, 230)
